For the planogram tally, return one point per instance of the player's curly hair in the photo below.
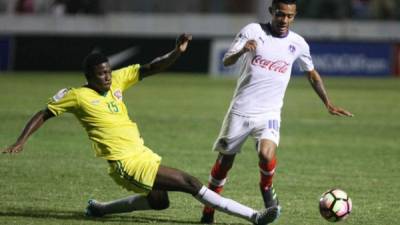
(91, 60)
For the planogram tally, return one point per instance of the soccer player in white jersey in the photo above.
(267, 52)
(100, 108)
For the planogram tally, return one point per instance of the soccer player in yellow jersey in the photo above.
(99, 107)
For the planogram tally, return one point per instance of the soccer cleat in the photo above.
(267, 215)
(92, 210)
(208, 216)
(270, 198)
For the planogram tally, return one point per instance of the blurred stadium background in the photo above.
(355, 45)
(347, 37)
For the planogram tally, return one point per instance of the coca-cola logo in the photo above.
(279, 66)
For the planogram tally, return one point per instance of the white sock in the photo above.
(226, 205)
(128, 204)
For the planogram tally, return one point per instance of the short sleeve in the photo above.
(64, 101)
(305, 59)
(240, 40)
(126, 77)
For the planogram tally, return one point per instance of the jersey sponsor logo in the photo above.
(279, 66)
(118, 94)
(60, 94)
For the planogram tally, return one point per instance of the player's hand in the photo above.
(182, 42)
(333, 110)
(250, 45)
(15, 148)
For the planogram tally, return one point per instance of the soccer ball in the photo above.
(335, 205)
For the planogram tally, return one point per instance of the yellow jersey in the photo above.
(105, 117)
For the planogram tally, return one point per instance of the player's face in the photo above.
(282, 17)
(101, 77)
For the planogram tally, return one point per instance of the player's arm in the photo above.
(250, 45)
(33, 125)
(318, 85)
(163, 62)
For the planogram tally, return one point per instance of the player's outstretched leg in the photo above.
(216, 183)
(212, 199)
(93, 209)
(156, 200)
(169, 179)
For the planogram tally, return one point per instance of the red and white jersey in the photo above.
(265, 72)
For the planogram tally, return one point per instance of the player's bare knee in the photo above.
(266, 157)
(266, 153)
(266, 150)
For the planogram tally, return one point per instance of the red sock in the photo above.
(216, 181)
(267, 171)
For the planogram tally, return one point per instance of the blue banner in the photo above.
(351, 58)
(5, 51)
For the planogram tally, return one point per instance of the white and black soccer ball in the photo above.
(335, 205)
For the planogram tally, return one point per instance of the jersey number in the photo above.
(113, 107)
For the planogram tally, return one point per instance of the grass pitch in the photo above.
(179, 118)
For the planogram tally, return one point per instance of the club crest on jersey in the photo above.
(292, 48)
(118, 94)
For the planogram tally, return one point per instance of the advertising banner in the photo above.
(351, 58)
(5, 53)
(330, 58)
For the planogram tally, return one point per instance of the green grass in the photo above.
(179, 118)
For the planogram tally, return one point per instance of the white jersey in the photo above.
(265, 72)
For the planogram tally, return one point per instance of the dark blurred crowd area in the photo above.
(307, 9)
(350, 9)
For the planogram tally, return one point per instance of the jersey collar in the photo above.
(268, 27)
(101, 94)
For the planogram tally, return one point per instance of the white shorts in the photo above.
(235, 130)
